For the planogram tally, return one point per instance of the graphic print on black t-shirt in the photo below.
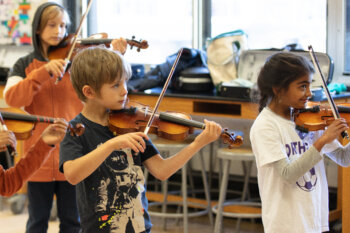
(119, 199)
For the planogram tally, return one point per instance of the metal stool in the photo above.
(167, 147)
(247, 209)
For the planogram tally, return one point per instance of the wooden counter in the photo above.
(201, 105)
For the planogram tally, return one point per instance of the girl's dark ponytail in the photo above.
(263, 102)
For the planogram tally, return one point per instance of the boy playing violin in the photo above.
(106, 169)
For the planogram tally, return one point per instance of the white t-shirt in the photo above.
(300, 206)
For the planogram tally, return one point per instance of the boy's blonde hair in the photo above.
(96, 66)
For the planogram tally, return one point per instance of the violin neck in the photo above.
(181, 121)
(95, 41)
(23, 117)
(343, 109)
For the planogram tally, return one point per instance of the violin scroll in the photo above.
(76, 130)
(231, 139)
(142, 44)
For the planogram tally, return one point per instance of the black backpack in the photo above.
(158, 75)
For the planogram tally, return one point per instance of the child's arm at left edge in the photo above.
(13, 178)
(162, 169)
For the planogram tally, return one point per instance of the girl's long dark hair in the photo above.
(279, 71)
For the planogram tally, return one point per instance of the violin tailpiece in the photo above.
(301, 129)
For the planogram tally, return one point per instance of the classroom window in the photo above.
(273, 23)
(165, 24)
(168, 25)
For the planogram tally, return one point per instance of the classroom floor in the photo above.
(11, 223)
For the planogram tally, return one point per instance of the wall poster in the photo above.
(16, 21)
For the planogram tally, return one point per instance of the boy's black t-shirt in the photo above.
(112, 198)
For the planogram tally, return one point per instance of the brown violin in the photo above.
(317, 117)
(169, 125)
(62, 51)
(21, 123)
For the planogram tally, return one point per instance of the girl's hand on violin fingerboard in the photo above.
(134, 141)
(7, 138)
(119, 45)
(211, 133)
(334, 130)
(56, 67)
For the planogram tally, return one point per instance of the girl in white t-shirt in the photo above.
(291, 174)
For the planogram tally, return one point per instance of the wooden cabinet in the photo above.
(201, 106)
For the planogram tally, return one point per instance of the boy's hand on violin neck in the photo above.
(332, 132)
(134, 141)
(211, 133)
(56, 67)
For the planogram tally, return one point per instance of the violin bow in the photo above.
(324, 85)
(75, 40)
(165, 87)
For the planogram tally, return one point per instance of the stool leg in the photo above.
(211, 164)
(165, 201)
(190, 175)
(220, 172)
(245, 187)
(184, 198)
(247, 165)
(246, 180)
(206, 189)
(222, 196)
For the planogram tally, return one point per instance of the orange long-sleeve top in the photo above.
(39, 95)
